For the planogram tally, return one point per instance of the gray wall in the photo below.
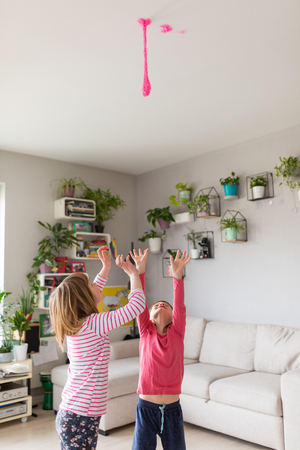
(256, 281)
(30, 198)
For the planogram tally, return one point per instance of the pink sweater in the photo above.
(85, 392)
(161, 356)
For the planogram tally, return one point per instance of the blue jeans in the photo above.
(163, 420)
(77, 432)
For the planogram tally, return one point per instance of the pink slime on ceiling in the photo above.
(146, 83)
(165, 28)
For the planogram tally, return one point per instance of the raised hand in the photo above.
(131, 271)
(178, 264)
(140, 259)
(103, 254)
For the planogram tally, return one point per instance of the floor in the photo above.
(39, 433)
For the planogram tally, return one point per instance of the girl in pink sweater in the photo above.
(161, 364)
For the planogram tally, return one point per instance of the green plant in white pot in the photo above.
(6, 351)
(258, 184)
(232, 227)
(193, 238)
(20, 323)
(154, 238)
(289, 171)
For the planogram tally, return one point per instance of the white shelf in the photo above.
(231, 197)
(61, 212)
(43, 294)
(71, 253)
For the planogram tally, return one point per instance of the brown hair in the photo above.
(70, 303)
(164, 301)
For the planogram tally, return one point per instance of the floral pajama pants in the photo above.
(77, 432)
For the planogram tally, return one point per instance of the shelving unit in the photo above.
(25, 400)
(269, 188)
(50, 281)
(242, 236)
(73, 253)
(207, 247)
(214, 202)
(76, 209)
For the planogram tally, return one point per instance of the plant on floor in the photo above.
(230, 180)
(159, 214)
(106, 202)
(258, 181)
(20, 323)
(67, 188)
(151, 235)
(288, 169)
(182, 196)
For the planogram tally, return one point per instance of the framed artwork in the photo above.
(82, 227)
(115, 297)
(78, 267)
(46, 327)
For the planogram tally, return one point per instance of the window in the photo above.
(2, 224)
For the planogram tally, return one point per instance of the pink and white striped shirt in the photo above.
(85, 392)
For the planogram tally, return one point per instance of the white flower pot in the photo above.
(6, 357)
(20, 352)
(258, 192)
(155, 245)
(184, 217)
(195, 252)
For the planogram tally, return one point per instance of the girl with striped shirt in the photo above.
(74, 316)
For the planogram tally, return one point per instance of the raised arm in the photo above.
(140, 260)
(179, 311)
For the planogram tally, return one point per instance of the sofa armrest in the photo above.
(290, 394)
(124, 349)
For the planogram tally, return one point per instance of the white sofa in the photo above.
(240, 379)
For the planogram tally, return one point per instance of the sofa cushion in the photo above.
(277, 349)
(187, 361)
(59, 375)
(229, 344)
(124, 349)
(198, 377)
(256, 391)
(193, 339)
(123, 375)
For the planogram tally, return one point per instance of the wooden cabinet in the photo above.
(14, 399)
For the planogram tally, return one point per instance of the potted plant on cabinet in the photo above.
(61, 238)
(258, 184)
(106, 202)
(193, 237)
(161, 215)
(20, 324)
(154, 239)
(6, 333)
(67, 188)
(231, 226)
(230, 184)
(289, 170)
(27, 303)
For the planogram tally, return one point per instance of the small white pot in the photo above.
(184, 217)
(6, 357)
(195, 252)
(20, 352)
(155, 245)
(258, 191)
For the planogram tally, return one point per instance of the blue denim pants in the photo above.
(163, 420)
(75, 431)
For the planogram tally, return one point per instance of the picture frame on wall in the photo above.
(81, 227)
(46, 326)
(78, 267)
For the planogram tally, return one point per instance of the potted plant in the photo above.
(154, 239)
(61, 238)
(230, 184)
(67, 188)
(161, 215)
(231, 226)
(183, 194)
(45, 260)
(20, 324)
(288, 170)
(35, 285)
(257, 184)
(200, 204)
(106, 202)
(27, 303)
(193, 237)
(6, 354)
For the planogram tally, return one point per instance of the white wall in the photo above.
(256, 281)
(29, 198)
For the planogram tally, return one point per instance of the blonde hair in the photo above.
(70, 303)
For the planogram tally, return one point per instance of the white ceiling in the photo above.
(71, 74)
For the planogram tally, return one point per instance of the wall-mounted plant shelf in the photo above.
(166, 264)
(214, 203)
(260, 192)
(205, 245)
(76, 209)
(233, 226)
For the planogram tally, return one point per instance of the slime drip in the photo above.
(146, 83)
